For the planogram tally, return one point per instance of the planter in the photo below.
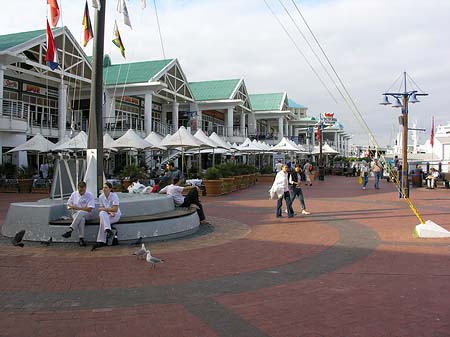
(237, 182)
(228, 184)
(266, 178)
(25, 185)
(213, 187)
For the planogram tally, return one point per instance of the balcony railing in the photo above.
(13, 109)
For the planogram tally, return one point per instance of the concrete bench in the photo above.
(445, 179)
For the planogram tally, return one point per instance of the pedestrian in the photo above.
(364, 173)
(280, 187)
(81, 203)
(295, 189)
(278, 166)
(44, 170)
(108, 212)
(307, 168)
(377, 170)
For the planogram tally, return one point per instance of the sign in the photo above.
(34, 89)
(10, 84)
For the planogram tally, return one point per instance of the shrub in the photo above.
(212, 173)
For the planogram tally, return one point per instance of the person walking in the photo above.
(295, 189)
(280, 187)
(364, 173)
(81, 203)
(108, 212)
(377, 170)
(307, 168)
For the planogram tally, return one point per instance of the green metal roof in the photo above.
(308, 119)
(295, 105)
(266, 102)
(11, 40)
(137, 72)
(213, 90)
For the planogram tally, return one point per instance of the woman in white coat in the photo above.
(109, 213)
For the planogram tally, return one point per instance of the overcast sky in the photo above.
(369, 42)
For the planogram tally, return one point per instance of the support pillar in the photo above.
(2, 80)
(148, 112)
(252, 126)
(280, 128)
(242, 126)
(62, 107)
(229, 123)
(175, 106)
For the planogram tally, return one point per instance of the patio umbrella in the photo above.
(131, 140)
(155, 139)
(36, 144)
(108, 142)
(77, 143)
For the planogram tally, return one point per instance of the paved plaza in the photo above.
(351, 268)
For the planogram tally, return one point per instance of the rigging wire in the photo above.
(159, 30)
(301, 53)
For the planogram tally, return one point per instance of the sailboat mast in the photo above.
(95, 132)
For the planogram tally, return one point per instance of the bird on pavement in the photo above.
(152, 259)
(48, 242)
(141, 252)
(17, 239)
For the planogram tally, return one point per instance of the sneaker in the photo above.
(364, 188)
(108, 233)
(81, 243)
(67, 234)
(305, 212)
(285, 211)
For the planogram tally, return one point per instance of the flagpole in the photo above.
(94, 172)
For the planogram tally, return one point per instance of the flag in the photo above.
(96, 4)
(143, 4)
(432, 133)
(122, 9)
(117, 40)
(51, 56)
(54, 12)
(318, 132)
(88, 35)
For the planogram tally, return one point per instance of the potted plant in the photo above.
(25, 179)
(266, 175)
(212, 182)
(227, 177)
(132, 171)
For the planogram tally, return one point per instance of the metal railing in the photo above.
(14, 109)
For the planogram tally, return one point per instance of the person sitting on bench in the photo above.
(432, 177)
(81, 203)
(176, 191)
(108, 212)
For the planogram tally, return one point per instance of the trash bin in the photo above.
(321, 173)
(416, 178)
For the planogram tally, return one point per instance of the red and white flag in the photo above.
(51, 56)
(54, 12)
(432, 132)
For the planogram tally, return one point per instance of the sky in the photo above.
(370, 43)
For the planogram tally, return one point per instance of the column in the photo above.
(148, 112)
(109, 110)
(62, 107)
(229, 122)
(280, 128)
(2, 79)
(243, 134)
(175, 106)
(252, 127)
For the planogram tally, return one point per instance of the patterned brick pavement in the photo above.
(351, 268)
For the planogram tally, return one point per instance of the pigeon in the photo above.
(48, 242)
(141, 252)
(17, 240)
(153, 260)
(138, 241)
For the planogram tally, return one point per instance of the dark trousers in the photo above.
(192, 198)
(297, 192)
(286, 197)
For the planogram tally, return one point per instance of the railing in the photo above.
(14, 109)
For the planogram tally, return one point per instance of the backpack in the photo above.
(310, 168)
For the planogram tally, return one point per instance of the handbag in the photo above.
(360, 180)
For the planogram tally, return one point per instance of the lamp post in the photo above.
(406, 97)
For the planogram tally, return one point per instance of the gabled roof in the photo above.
(214, 90)
(9, 41)
(295, 105)
(136, 72)
(267, 102)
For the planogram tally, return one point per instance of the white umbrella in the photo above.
(326, 149)
(108, 142)
(219, 141)
(155, 139)
(200, 135)
(79, 142)
(182, 138)
(131, 140)
(36, 144)
(285, 145)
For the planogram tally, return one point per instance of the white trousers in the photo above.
(106, 220)
(430, 183)
(79, 221)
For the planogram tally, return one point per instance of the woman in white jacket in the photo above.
(280, 187)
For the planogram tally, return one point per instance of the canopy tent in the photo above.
(77, 143)
(36, 144)
(131, 140)
(108, 142)
(326, 149)
(155, 139)
(285, 145)
(219, 141)
(249, 146)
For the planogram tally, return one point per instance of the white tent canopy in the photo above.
(182, 138)
(108, 142)
(249, 146)
(36, 144)
(285, 145)
(200, 135)
(155, 139)
(131, 140)
(79, 142)
(219, 141)
(326, 149)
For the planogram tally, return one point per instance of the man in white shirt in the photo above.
(278, 166)
(280, 187)
(176, 191)
(81, 203)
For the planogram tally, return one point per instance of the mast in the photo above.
(94, 171)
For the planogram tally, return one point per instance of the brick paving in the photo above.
(351, 268)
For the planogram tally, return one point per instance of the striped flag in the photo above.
(117, 40)
(88, 34)
(51, 56)
(122, 9)
(53, 12)
(432, 133)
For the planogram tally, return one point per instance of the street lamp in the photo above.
(406, 97)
